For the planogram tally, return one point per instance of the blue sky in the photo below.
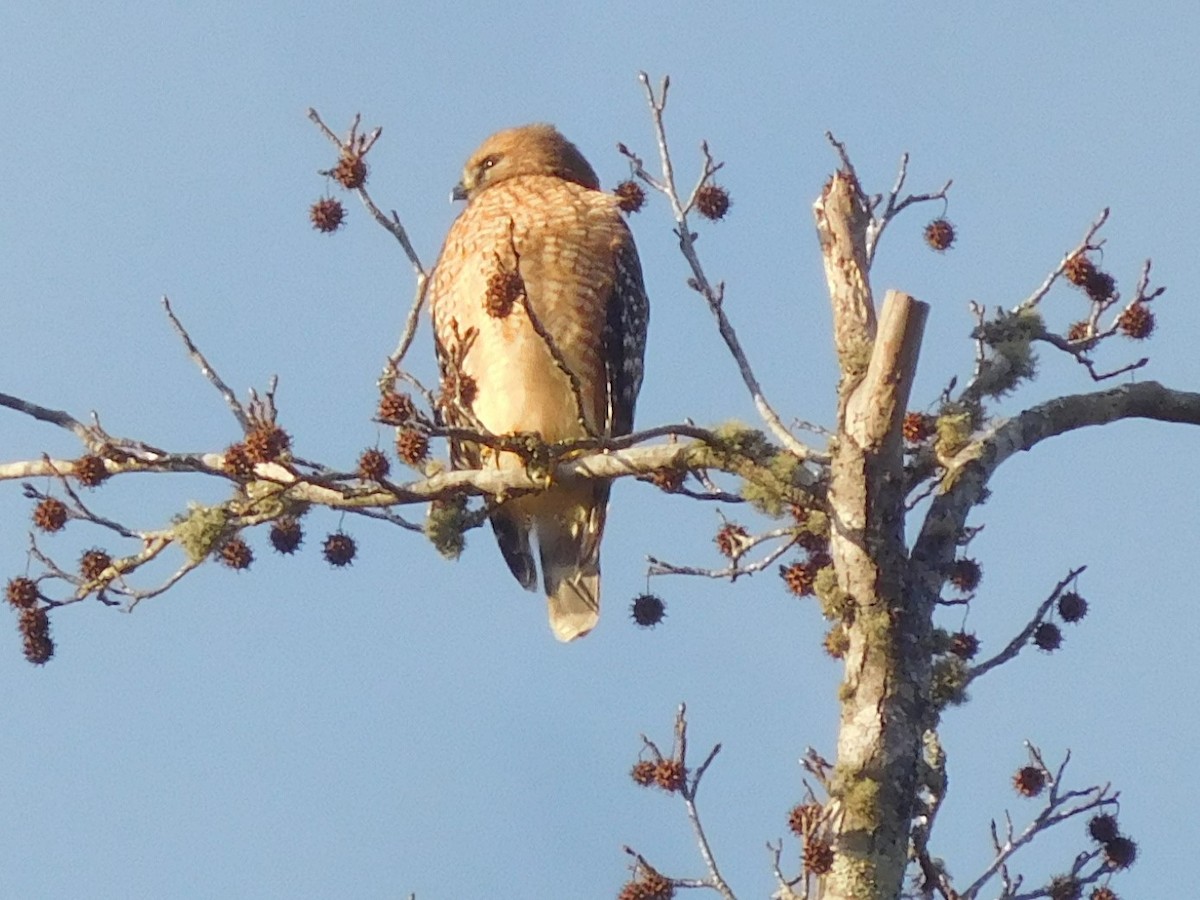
(409, 724)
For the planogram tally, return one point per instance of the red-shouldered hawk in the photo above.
(539, 315)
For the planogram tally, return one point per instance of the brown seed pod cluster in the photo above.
(89, 470)
(648, 884)
(37, 644)
(712, 202)
(648, 610)
(1064, 887)
(50, 515)
(965, 575)
(964, 645)
(350, 172)
(643, 772)
(1082, 272)
(21, 593)
(804, 818)
(800, 578)
(669, 480)
(630, 196)
(93, 563)
(918, 427)
(731, 540)
(1103, 892)
(1137, 321)
(237, 462)
(286, 535)
(373, 465)
(1103, 828)
(1072, 607)
(1047, 636)
(940, 235)
(395, 408)
(1079, 269)
(818, 856)
(1029, 781)
(670, 775)
(236, 554)
(504, 288)
(339, 549)
(412, 446)
(327, 215)
(1080, 331)
(1120, 852)
(267, 443)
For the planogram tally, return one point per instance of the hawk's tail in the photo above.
(569, 522)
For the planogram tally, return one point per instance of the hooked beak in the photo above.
(459, 192)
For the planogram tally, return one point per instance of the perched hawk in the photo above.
(539, 316)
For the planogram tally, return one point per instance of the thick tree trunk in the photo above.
(883, 695)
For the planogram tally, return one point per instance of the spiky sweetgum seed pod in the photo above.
(669, 480)
(237, 462)
(1072, 607)
(1064, 887)
(1136, 322)
(1029, 781)
(412, 446)
(836, 642)
(373, 465)
(1048, 637)
(656, 885)
(395, 408)
(21, 593)
(670, 775)
(712, 202)
(267, 443)
(1101, 286)
(965, 574)
(89, 470)
(939, 234)
(34, 626)
(339, 549)
(799, 577)
(504, 288)
(350, 172)
(50, 514)
(1120, 852)
(1104, 892)
(93, 563)
(804, 817)
(1079, 269)
(630, 196)
(643, 772)
(648, 610)
(730, 538)
(1079, 331)
(286, 536)
(918, 427)
(632, 890)
(1103, 828)
(818, 857)
(964, 645)
(236, 554)
(327, 215)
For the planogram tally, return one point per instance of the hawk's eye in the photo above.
(489, 161)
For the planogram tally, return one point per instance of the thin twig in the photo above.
(207, 370)
(713, 295)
